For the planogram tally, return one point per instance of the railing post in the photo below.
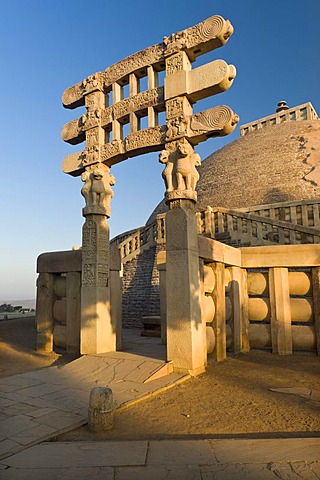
(316, 304)
(239, 298)
(281, 332)
(219, 323)
(73, 312)
(208, 221)
(44, 312)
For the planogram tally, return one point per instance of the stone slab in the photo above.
(157, 472)
(18, 408)
(57, 262)
(83, 473)
(60, 420)
(19, 381)
(41, 390)
(238, 471)
(8, 445)
(167, 460)
(33, 435)
(80, 454)
(180, 452)
(16, 424)
(266, 450)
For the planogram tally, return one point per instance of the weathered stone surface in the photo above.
(100, 411)
(273, 156)
(58, 262)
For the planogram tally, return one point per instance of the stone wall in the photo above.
(140, 288)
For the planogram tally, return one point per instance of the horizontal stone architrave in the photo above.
(211, 251)
(217, 121)
(208, 35)
(73, 132)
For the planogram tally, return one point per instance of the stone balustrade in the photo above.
(265, 297)
(251, 229)
(59, 299)
(281, 223)
(302, 112)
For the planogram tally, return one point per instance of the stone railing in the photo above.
(265, 297)
(58, 311)
(247, 228)
(301, 212)
(280, 223)
(302, 112)
(141, 239)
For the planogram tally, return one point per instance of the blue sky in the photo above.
(49, 45)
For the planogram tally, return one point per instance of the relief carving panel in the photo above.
(149, 137)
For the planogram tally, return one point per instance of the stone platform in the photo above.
(218, 459)
(39, 405)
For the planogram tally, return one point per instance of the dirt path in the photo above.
(231, 398)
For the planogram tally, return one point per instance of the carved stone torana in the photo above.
(97, 190)
(183, 86)
(208, 35)
(102, 128)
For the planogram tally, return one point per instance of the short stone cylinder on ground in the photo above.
(100, 411)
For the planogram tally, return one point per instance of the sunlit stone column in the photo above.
(186, 345)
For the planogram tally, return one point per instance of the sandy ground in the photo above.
(232, 398)
(18, 348)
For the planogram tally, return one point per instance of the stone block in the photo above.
(100, 411)
(214, 251)
(59, 262)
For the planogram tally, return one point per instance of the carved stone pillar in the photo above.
(98, 334)
(185, 330)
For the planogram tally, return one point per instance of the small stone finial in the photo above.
(282, 105)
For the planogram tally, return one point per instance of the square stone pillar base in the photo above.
(98, 334)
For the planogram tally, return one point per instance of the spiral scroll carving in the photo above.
(212, 119)
(211, 27)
